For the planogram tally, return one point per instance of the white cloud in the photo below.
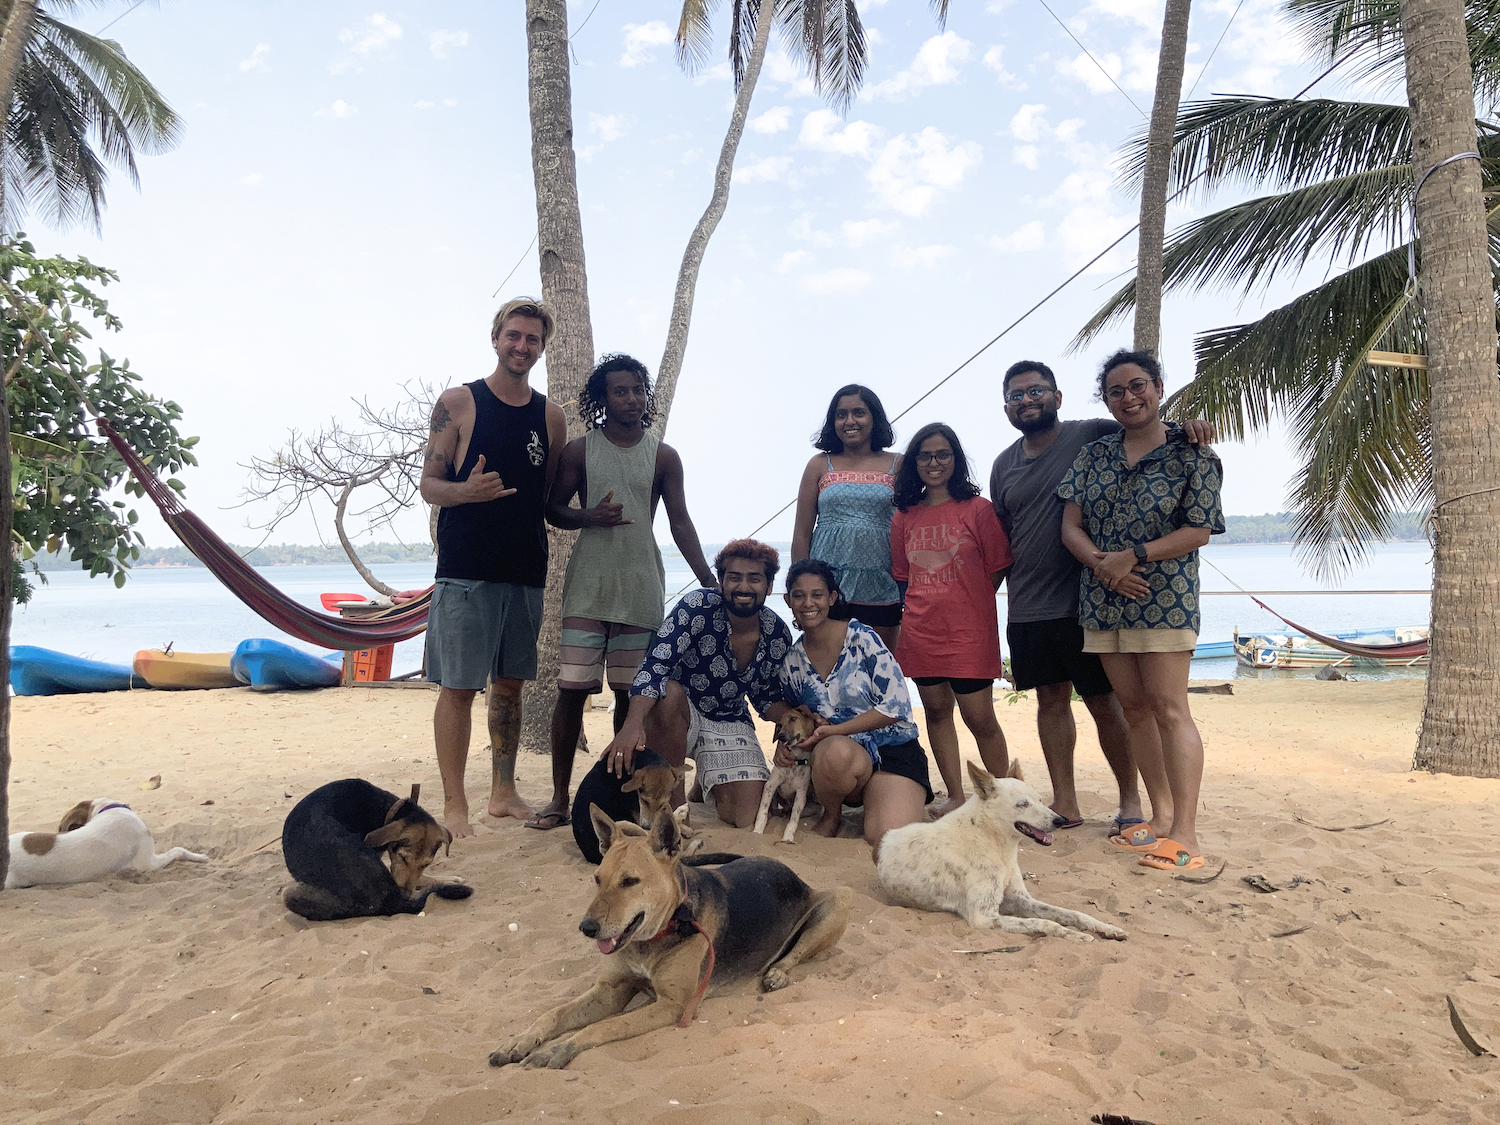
(1029, 124)
(772, 121)
(820, 133)
(792, 259)
(995, 7)
(608, 127)
(910, 257)
(1084, 70)
(1033, 236)
(910, 170)
(779, 67)
(866, 230)
(802, 228)
(841, 280)
(440, 42)
(766, 170)
(377, 34)
(1025, 156)
(253, 179)
(1147, 13)
(640, 38)
(938, 62)
(424, 105)
(339, 109)
(257, 59)
(994, 59)
(1088, 229)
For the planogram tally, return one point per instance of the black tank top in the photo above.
(501, 540)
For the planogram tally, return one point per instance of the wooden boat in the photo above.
(268, 665)
(40, 671)
(1213, 650)
(165, 668)
(1293, 650)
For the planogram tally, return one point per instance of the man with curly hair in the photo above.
(615, 590)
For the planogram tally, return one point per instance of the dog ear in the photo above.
(76, 817)
(666, 836)
(604, 827)
(386, 834)
(679, 773)
(1015, 770)
(416, 791)
(633, 784)
(984, 781)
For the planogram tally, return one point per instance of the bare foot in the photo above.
(943, 809)
(510, 804)
(828, 826)
(456, 817)
(696, 796)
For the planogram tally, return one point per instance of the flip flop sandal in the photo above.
(1169, 855)
(1137, 837)
(1120, 823)
(1059, 822)
(547, 821)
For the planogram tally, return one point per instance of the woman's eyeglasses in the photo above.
(942, 457)
(1029, 392)
(1136, 387)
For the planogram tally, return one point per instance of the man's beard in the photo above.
(1039, 423)
(729, 604)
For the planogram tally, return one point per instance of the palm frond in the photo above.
(1275, 143)
(149, 123)
(695, 34)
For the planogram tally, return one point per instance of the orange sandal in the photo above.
(1137, 837)
(1169, 855)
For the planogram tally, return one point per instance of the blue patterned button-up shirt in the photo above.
(865, 677)
(1175, 485)
(692, 647)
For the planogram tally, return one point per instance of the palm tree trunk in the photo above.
(692, 257)
(1148, 270)
(12, 43)
(570, 352)
(1460, 730)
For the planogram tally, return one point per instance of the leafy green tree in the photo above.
(62, 473)
(1340, 183)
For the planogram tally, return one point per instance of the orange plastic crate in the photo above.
(369, 664)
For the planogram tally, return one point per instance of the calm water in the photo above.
(190, 609)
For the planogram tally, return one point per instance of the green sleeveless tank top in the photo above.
(616, 573)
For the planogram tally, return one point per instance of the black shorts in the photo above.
(1051, 652)
(882, 615)
(960, 687)
(905, 759)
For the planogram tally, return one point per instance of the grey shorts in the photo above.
(476, 630)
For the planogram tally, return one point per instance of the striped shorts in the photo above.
(593, 649)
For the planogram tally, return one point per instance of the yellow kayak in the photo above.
(163, 669)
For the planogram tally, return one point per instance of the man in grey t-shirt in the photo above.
(1042, 630)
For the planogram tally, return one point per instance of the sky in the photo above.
(353, 198)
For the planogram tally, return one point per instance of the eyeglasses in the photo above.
(1137, 387)
(942, 457)
(1029, 392)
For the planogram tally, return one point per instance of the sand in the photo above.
(191, 995)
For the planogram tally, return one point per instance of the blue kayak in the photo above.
(267, 665)
(40, 671)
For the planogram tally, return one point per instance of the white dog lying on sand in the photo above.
(96, 838)
(966, 862)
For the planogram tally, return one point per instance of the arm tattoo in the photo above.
(440, 417)
(431, 454)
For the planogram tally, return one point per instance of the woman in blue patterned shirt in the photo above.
(867, 753)
(1139, 505)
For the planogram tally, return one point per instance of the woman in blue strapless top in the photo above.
(844, 508)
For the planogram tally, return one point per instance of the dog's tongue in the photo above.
(607, 945)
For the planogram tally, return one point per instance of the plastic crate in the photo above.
(369, 664)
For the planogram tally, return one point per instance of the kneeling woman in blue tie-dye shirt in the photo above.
(867, 753)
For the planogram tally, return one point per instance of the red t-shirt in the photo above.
(946, 554)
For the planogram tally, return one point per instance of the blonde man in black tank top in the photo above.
(491, 456)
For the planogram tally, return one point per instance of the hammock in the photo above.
(383, 627)
(1402, 650)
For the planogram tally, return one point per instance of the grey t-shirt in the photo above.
(1043, 582)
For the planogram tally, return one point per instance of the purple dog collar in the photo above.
(111, 805)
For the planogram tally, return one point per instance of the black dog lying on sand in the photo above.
(333, 839)
(637, 798)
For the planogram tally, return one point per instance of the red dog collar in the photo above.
(684, 925)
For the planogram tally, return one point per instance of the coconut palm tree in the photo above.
(827, 37)
(1156, 168)
(1340, 175)
(77, 105)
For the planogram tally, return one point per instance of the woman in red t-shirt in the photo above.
(949, 553)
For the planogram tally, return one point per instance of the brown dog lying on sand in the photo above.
(671, 931)
(789, 782)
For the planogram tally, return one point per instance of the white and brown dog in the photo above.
(96, 838)
(789, 782)
(967, 863)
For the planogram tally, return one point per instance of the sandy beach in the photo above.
(192, 995)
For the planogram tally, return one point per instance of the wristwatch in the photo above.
(1140, 551)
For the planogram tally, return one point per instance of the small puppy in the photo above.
(96, 838)
(638, 797)
(789, 782)
(333, 841)
(967, 863)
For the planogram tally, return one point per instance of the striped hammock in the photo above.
(383, 627)
(1402, 650)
